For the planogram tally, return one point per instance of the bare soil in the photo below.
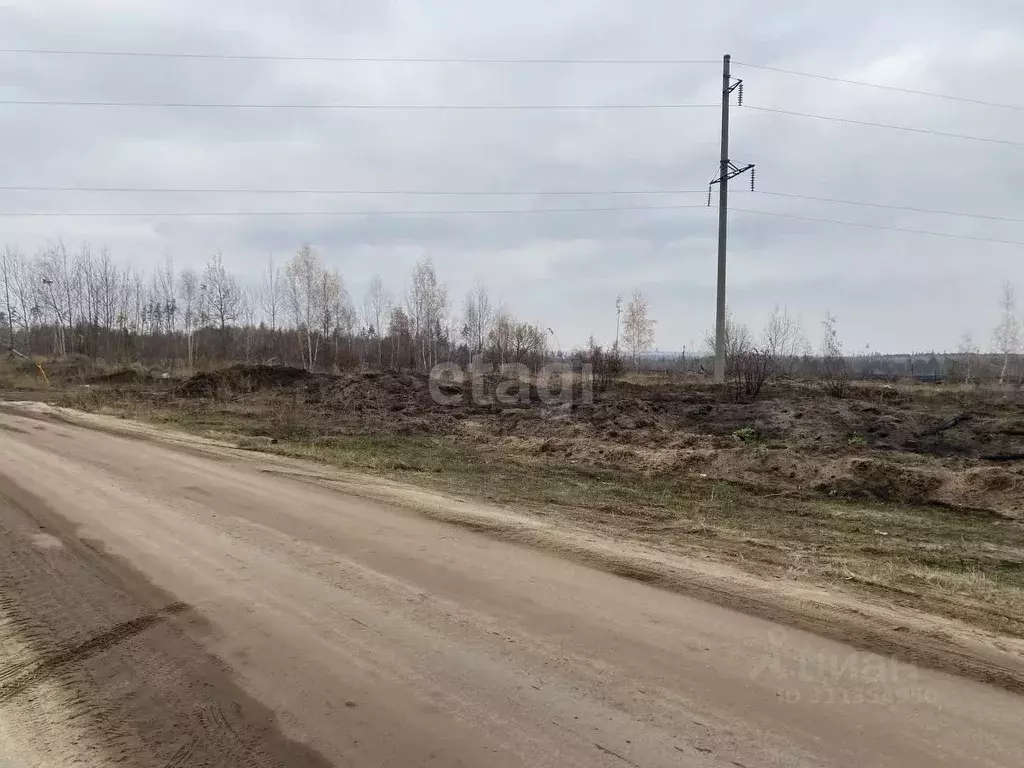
(883, 443)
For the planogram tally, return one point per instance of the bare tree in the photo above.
(399, 329)
(967, 352)
(500, 337)
(426, 303)
(783, 342)
(54, 286)
(7, 264)
(1006, 335)
(304, 280)
(376, 307)
(835, 369)
(451, 333)
(20, 294)
(337, 317)
(478, 316)
(165, 305)
(618, 323)
(638, 327)
(531, 345)
(438, 315)
(188, 292)
(221, 297)
(327, 301)
(135, 301)
(270, 294)
(110, 290)
(248, 298)
(87, 295)
(346, 320)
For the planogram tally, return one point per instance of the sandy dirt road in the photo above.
(167, 606)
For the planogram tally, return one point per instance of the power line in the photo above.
(879, 86)
(893, 207)
(878, 226)
(452, 212)
(909, 129)
(349, 59)
(485, 193)
(448, 193)
(387, 107)
(462, 212)
(484, 60)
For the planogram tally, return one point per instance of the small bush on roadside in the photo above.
(752, 369)
(746, 435)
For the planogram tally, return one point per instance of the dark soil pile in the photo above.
(910, 445)
(387, 402)
(378, 392)
(244, 380)
(123, 377)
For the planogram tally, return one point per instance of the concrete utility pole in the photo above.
(726, 171)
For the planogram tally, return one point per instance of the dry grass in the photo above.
(22, 376)
(23, 382)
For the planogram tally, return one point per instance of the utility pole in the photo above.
(726, 171)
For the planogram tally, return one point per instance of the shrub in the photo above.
(752, 369)
(746, 435)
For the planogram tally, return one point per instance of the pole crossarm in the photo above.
(734, 171)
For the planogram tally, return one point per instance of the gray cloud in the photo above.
(890, 290)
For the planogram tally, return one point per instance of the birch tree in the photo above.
(188, 292)
(376, 307)
(10, 262)
(426, 303)
(966, 354)
(638, 327)
(783, 341)
(270, 294)
(304, 287)
(1006, 335)
(222, 298)
(478, 317)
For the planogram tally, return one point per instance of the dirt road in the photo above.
(169, 605)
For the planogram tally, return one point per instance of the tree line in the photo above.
(57, 303)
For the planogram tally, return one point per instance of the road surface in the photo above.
(164, 605)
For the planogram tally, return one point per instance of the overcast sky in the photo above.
(890, 290)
